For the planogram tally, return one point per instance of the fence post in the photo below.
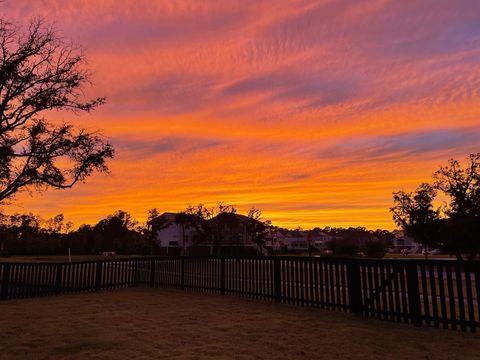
(413, 292)
(222, 276)
(182, 273)
(5, 282)
(354, 288)
(135, 273)
(58, 279)
(98, 275)
(276, 280)
(152, 272)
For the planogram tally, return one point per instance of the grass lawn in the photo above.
(419, 256)
(145, 323)
(387, 256)
(62, 258)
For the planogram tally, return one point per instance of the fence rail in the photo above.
(22, 280)
(440, 293)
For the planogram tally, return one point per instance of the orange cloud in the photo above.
(313, 111)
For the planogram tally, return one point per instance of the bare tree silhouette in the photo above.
(40, 72)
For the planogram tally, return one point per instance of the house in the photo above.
(234, 237)
(403, 242)
(294, 242)
(320, 240)
(173, 238)
(299, 241)
(232, 231)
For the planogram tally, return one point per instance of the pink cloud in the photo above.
(286, 104)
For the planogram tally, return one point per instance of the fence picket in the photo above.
(436, 292)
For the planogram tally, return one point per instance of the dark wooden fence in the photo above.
(18, 280)
(438, 293)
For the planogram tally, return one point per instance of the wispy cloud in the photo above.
(316, 110)
(405, 145)
(147, 148)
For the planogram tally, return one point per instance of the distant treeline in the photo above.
(29, 234)
(354, 240)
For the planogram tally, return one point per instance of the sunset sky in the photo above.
(313, 111)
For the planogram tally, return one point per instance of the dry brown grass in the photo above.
(147, 323)
(61, 258)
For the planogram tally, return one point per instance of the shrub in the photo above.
(375, 249)
(343, 247)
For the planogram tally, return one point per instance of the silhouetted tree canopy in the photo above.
(257, 227)
(210, 223)
(414, 212)
(460, 229)
(28, 234)
(222, 225)
(155, 223)
(39, 72)
(24, 234)
(343, 247)
(455, 227)
(354, 240)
